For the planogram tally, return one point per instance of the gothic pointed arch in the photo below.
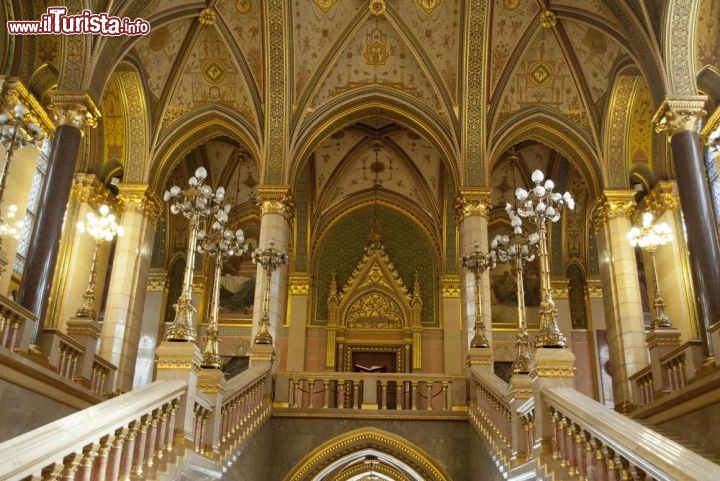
(356, 451)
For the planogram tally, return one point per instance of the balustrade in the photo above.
(15, 324)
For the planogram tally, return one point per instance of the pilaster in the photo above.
(297, 312)
(128, 281)
(472, 207)
(454, 337)
(621, 288)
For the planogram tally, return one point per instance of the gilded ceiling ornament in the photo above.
(213, 72)
(243, 7)
(377, 7)
(548, 19)
(376, 52)
(511, 4)
(325, 5)
(207, 17)
(428, 5)
(541, 74)
(680, 114)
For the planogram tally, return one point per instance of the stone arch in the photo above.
(547, 127)
(678, 46)
(372, 102)
(194, 129)
(396, 458)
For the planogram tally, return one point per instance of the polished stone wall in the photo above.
(282, 443)
(24, 410)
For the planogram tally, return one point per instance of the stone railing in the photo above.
(15, 325)
(490, 415)
(405, 393)
(592, 442)
(118, 438)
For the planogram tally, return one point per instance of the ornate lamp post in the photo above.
(477, 261)
(101, 229)
(540, 205)
(218, 243)
(15, 132)
(649, 237)
(270, 259)
(196, 203)
(518, 250)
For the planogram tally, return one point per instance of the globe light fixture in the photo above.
(101, 228)
(649, 237)
(196, 203)
(270, 259)
(476, 261)
(540, 205)
(15, 132)
(217, 243)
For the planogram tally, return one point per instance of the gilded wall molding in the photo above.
(75, 109)
(472, 202)
(136, 135)
(450, 286)
(142, 199)
(299, 284)
(662, 197)
(277, 85)
(612, 204)
(14, 92)
(680, 114)
(277, 200)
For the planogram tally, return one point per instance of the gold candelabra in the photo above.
(270, 259)
(15, 132)
(219, 243)
(101, 229)
(477, 261)
(196, 203)
(519, 251)
(649, 237)
(539, 205)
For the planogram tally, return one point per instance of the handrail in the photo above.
(639, 447)
(29, 453)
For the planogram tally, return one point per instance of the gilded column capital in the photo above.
(450, 286)
(472, 202)
(594, 288)
(157, 280)
(276, 200)
(559, 289)
(87, 188)
(612, 204)
(14, 92)
(76, 109)
(663, 197)
(299, 284)
(140, 198)
(680, 114)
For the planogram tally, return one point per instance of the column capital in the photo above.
(299, 284)
(14, 92)
(612, 204)
(472, 202)
(680, 114)
(73, 108)
(140, 198)
(276, 200)
(450, 286)
(661, 198)
(157, 280)
(87, 188)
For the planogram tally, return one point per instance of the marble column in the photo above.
(472, 207)
(672, 261)
(298, 317)
(72, 112)
(124, 310)
(278, 212)
(621, 288)
(681, 117)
